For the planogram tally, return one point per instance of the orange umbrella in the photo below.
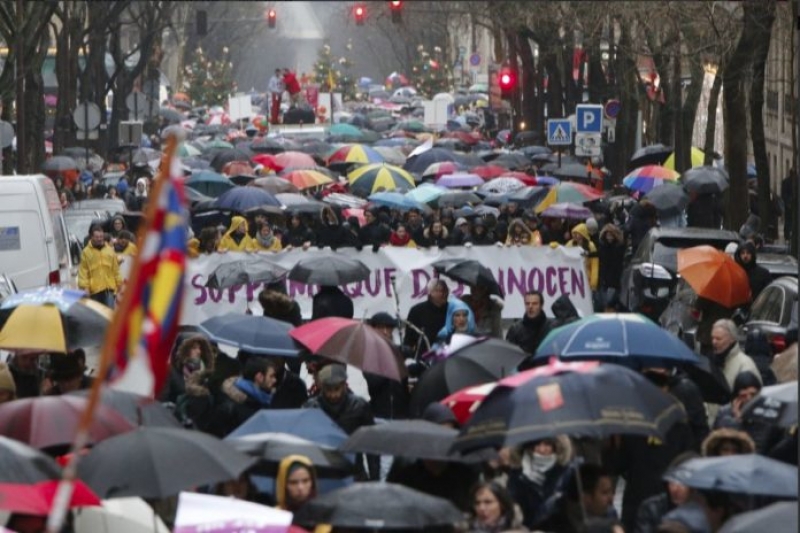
(714, 275)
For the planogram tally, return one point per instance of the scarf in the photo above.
(253, 392)
(395, 239)
(534, 323)
(535, 466)
(266, 242)
(719, 358)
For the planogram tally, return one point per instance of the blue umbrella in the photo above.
(255, 334)
(626, 338)
(209, 183)
(394, 200)
(739, 474)
(243, 198)
(309, 424)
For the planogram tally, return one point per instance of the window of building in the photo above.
(772, 102)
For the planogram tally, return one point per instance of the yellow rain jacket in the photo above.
(229, 244)
(284, 469)
(99, 270)
(590, 253)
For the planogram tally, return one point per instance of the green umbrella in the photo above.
(426, 193)
(345, 130)
(414, 126)
(216, 144)
(187, 150)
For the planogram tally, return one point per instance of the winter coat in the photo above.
(651, 512)
(590, 255)
(280, 306)
(290, 392)
(525, 238)
(528, 333)
(757, 275)
(297, 236)
(785, 365)
(690, 396)
(99, 270)
(176, 382)
(705, 211)
(488, 319)
(564, 312)
(711, 446)
(331, 301)
(224, 410)
(388, 399)
(428, 318)
(454, 305)
(430, 240)
(234, 242)
(374, 234)
(735, 361)
(331, 234)
(453, 483)
(611, 256)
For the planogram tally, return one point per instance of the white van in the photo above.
(34, 246)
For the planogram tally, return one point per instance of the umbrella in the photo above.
(37, 498)
(344, 130)
(120, 515)
(238, 168)
(188, 150)
(775, 517)
(195, 163)
(221, 514)
(391, 155)
(437, 170)
(655, 154)
(776, 404)
(315, 147)
(307, 179)
(530, 196)
(413, 126)
(51, 319)
(567, 191)
(489, 171)
(671, 199)
(241, 199)
(229, 155)
(255, 334)
(567, 210)
(20, 463)
(355, 153)
(512, 161)
(575, 399)
(394, 200)
(216, 144)
(53, 420)
(414, 439)
(59, 163)
(625, 338)
(242, 179)
(454, 181)
(377, 505)
(171, 116)
(265, 145)
(292, 160)
(697, 157)
(426, 193)
(159, 462)
(419, 163)
(251, 270)
(457, 199)
(271, 448)
(144, 156)
(470, 272)
(379, 177)
(481, 360)
(501, 185)
(350, 342)
(705, 179)
(645, 179)
(751, 474)
(138, 410)
(345, 200)
(464, 402)
(310, 424)
(330, 269)
(209, 183)
(274, 184)
(714, 275)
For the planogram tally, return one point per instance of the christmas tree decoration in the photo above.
(209, 81)
(431, 73)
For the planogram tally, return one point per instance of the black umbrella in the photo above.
(534, 150)
(250, 270)
(481, 361)
(572, 170)
(59, 163)
(242, 179)
(668, 199)
(512, 161)
(255, 334)
(470, 272)
(528, 196)
(414, 439)
(655, 154)
(377, 505)
(226, 155)
(265, 145)
(159, 462)
(739, 474)
(781, 516)
(240, 199)
(20, 463)
(419, 163)
(576, 399)
(272, 448)
(138, 410)
(705, 179)
(776, 404)
(457, 199)
(329, 270)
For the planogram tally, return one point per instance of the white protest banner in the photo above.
(553, 271)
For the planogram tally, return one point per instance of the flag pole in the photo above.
(63, 495)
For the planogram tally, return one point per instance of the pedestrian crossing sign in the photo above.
(559, 132)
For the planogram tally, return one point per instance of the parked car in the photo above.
(778, 265)
(771, 313)
(650, 279)
(7, 287)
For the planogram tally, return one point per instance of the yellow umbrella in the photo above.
(379, 177)
(697, 158)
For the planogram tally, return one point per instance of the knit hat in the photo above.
(592, 226)
(7, 380)
(745, 380)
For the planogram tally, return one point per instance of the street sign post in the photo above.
(137, 105)
(588, 144)
(559, 133)
(589, 118)
(87, 119)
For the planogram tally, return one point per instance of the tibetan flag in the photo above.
(146, 323)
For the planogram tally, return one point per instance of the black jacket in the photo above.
(427, 317)
(224, 410)
(704, 212)
(687, 392)
(331, 301)
(564, 312)
(298, 236)
(333, 235)
(757, 275)
(453, 484)
(374, 234)
(291, 393)
(532, 497)
(27, 384)
(612, 258)
(528, 333)
(650, 513)
(387, 398)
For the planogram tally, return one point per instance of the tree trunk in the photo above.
(32, 157)
(764, 16)
(735, 105)
(6, 114)
(626, 76)
(690, 105)
(67, 69)
(711, 118)
(528, 76)
(682, 149)
(663, 114)
(555, 90)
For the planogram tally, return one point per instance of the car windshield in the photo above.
(78, 224)
(665, 251)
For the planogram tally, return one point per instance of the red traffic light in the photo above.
(272, 18)
(359, 12)
(397, 11)
(396, 4)
(507, 79)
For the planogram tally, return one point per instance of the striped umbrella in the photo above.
(645, 179)
(307, 179)
(355, 153)
(570, 192)
(696, 155)
(374, 178)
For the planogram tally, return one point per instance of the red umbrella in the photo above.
(292, 160)
(53, 420)
(267, 160)
(464, 402)
(488, 172)
(37, 499)
(527, 179)
(351, 342)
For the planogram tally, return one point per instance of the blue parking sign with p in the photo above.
(589, 118)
